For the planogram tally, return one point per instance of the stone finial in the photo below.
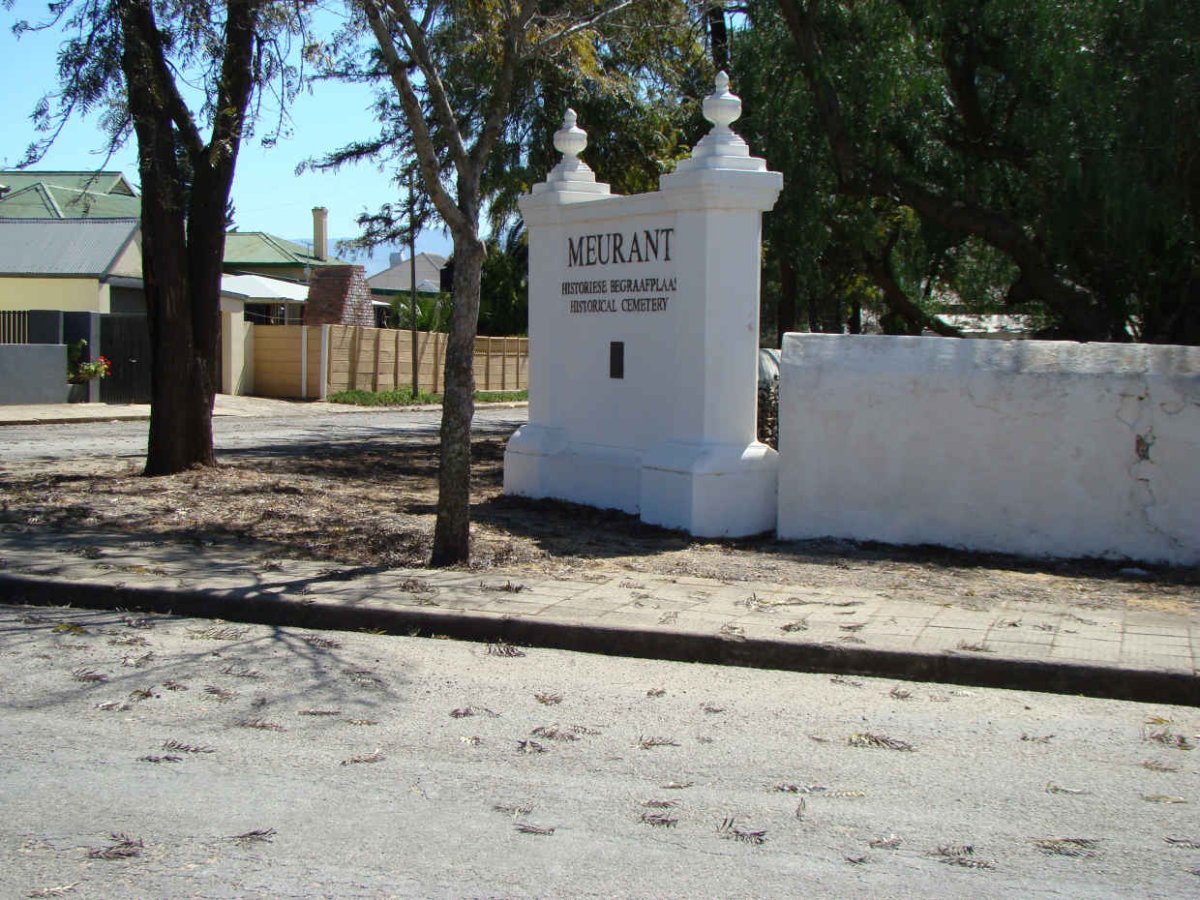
(721, 107)
(571, 175)
(721, 148)
(570, 140)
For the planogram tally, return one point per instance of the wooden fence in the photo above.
(312, 361)
(14, 327)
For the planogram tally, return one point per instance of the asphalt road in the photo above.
(246, 761)
(286, 434)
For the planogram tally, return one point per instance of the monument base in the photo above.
(708, 490)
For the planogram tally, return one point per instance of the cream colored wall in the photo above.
(129, 263)
(237, 352)
(68, 294)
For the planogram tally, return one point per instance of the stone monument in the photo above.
(643, 338)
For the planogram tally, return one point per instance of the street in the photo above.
(231, 434)
(169, 757)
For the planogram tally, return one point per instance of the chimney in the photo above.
(320, 232)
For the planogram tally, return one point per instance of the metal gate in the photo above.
(125, 341)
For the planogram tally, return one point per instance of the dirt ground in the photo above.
(375, 506)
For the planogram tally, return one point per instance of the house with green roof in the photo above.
(29, 194)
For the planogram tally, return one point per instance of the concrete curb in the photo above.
(1106, 682)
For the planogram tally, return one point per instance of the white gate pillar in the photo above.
(643, 339)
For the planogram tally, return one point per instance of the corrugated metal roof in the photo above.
(257, 248)
(62, 246)
(396, 278)
(96, 182)
(44, 201)
(260, 287)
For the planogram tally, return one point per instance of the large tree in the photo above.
(142, 61)
(461, 72)
(1028, 156)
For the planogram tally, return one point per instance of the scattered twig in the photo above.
(464, 712)
(513, 809)
(160, 759)
(1037, 739)
(677, 785)
(508, 588)
(848, 682)
(891, 842)
(1155, 766)
(88, 675)
(730, 829)
(656, 692)
(1052, 788)
(320, 642)
(1167, 739)
(220, 694)
(375, 757)
(554, 733)
(975, 647)
(1162, 798)
(122, 847)
(1184, 843)
(241, 672)
(319, 712)
(953, 851)
(530, 747)
(260, 724)
(548, 699)
(526, 828)
(867, 739)
(659, 804)
(1067, 846)
(58, 890)
(217, 633)
(857, 860)
(362, 722)
(659, 819)
(260, 835)
(797, 625)
(647, 743)
(180, 747)
(503, 649)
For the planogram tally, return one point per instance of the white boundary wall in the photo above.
(1031, 447)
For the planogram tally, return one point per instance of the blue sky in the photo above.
(267, 194)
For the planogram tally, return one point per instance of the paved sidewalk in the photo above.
(1131, 654)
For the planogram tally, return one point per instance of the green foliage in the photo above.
(1024, 156)
(404, 397)
(504, 289)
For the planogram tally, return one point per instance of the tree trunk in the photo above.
(183, 231)
(180, 394)
(718, 35)
(452, 533)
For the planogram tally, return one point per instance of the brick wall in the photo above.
(338, 295)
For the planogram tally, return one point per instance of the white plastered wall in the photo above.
(1030, 447)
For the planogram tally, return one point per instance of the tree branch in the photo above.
(422, 139)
